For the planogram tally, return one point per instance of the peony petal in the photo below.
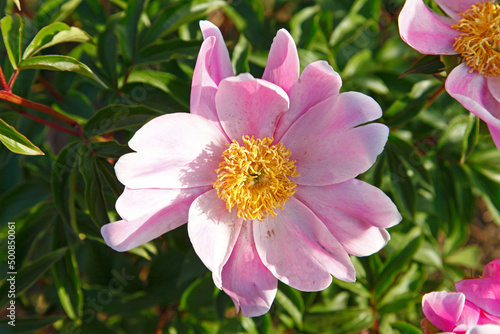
(494, 86)
(355, 212)
(220, 66)
(245, 279)
(317, 83)
(299, 250)
(248, 106)
(203, 87)
(141, 204)
(483, 292)
(147, 225)
(426, 31)
(469, 317)
(492, 269)
(455, 7)
(443, 308)
(174, 151)
(282, 66)
(484, 329)
(213, 231)
(326, 147)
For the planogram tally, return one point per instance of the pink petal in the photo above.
(472, 91)
(494, 86)
(151, 220)
(317, 83)
(282, 66)
(203, 87)
(492, 269)
(443, 308)
(248, 106)
(355, 212)
(455, 7)
(299, 250)
(245, 278)
(220, 66)
(213, 231)
(426, 31)
(469, 317)
(173, 151)
(326, 147)
(483, 292)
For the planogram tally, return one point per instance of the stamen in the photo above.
(255, 177)
(479, 41)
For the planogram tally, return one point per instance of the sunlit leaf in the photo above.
(16, 142)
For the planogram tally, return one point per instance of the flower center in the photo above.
(255, 177)
(479, 41)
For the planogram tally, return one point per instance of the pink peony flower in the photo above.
(263, 171)
(476, 302)
(471, 30)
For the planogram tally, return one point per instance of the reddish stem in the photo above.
(50, 88)
(3, 82)
(12, 79)
(42, 121)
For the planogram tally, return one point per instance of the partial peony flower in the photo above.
(474, 308)
(263, 171)
(472, 31)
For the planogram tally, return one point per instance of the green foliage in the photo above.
(112, 66)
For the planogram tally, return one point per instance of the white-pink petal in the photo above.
(282, 66)
(455, 7)
(443, 309)
(355, 212)
(220, 66)
(317, 82)
(494, 86)
(251, 286)
(248, 106)
(173, 151)
(472, 91)
(213, 231)
(326, 146)
(426, 31)
(484, 329)
(299, 250)
(152, 220)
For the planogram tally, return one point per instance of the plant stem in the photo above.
(435, 95)
(50, 88)
(42, 121)
(3, 82)
(12, 79)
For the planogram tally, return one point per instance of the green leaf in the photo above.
(406, 328)
(241, 52)
(396, 265)
(168, 51)
(467, 256)
(63, 181)
(12, 29)
(66, 277)
(53, 34)
(59, 63)
(429, 64)
(28, 275)
(116, 117)
(108, 173)
(171, 18)
(127, 29)
(16, 142)
(471, 138)
(21, 198)
(338, 322)
(54, 10)
(18, 4)
(94, 197)
(169, 83)
(291, 300)
(28, 325)
(109, 149)
(303, 25)
(108, 51)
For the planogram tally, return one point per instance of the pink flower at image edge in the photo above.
(431, 33)
(473, 309)
(263, 171)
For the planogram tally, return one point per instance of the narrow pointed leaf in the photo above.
(16, 142)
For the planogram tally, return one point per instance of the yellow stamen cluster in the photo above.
(479, 41)
(255, 177)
